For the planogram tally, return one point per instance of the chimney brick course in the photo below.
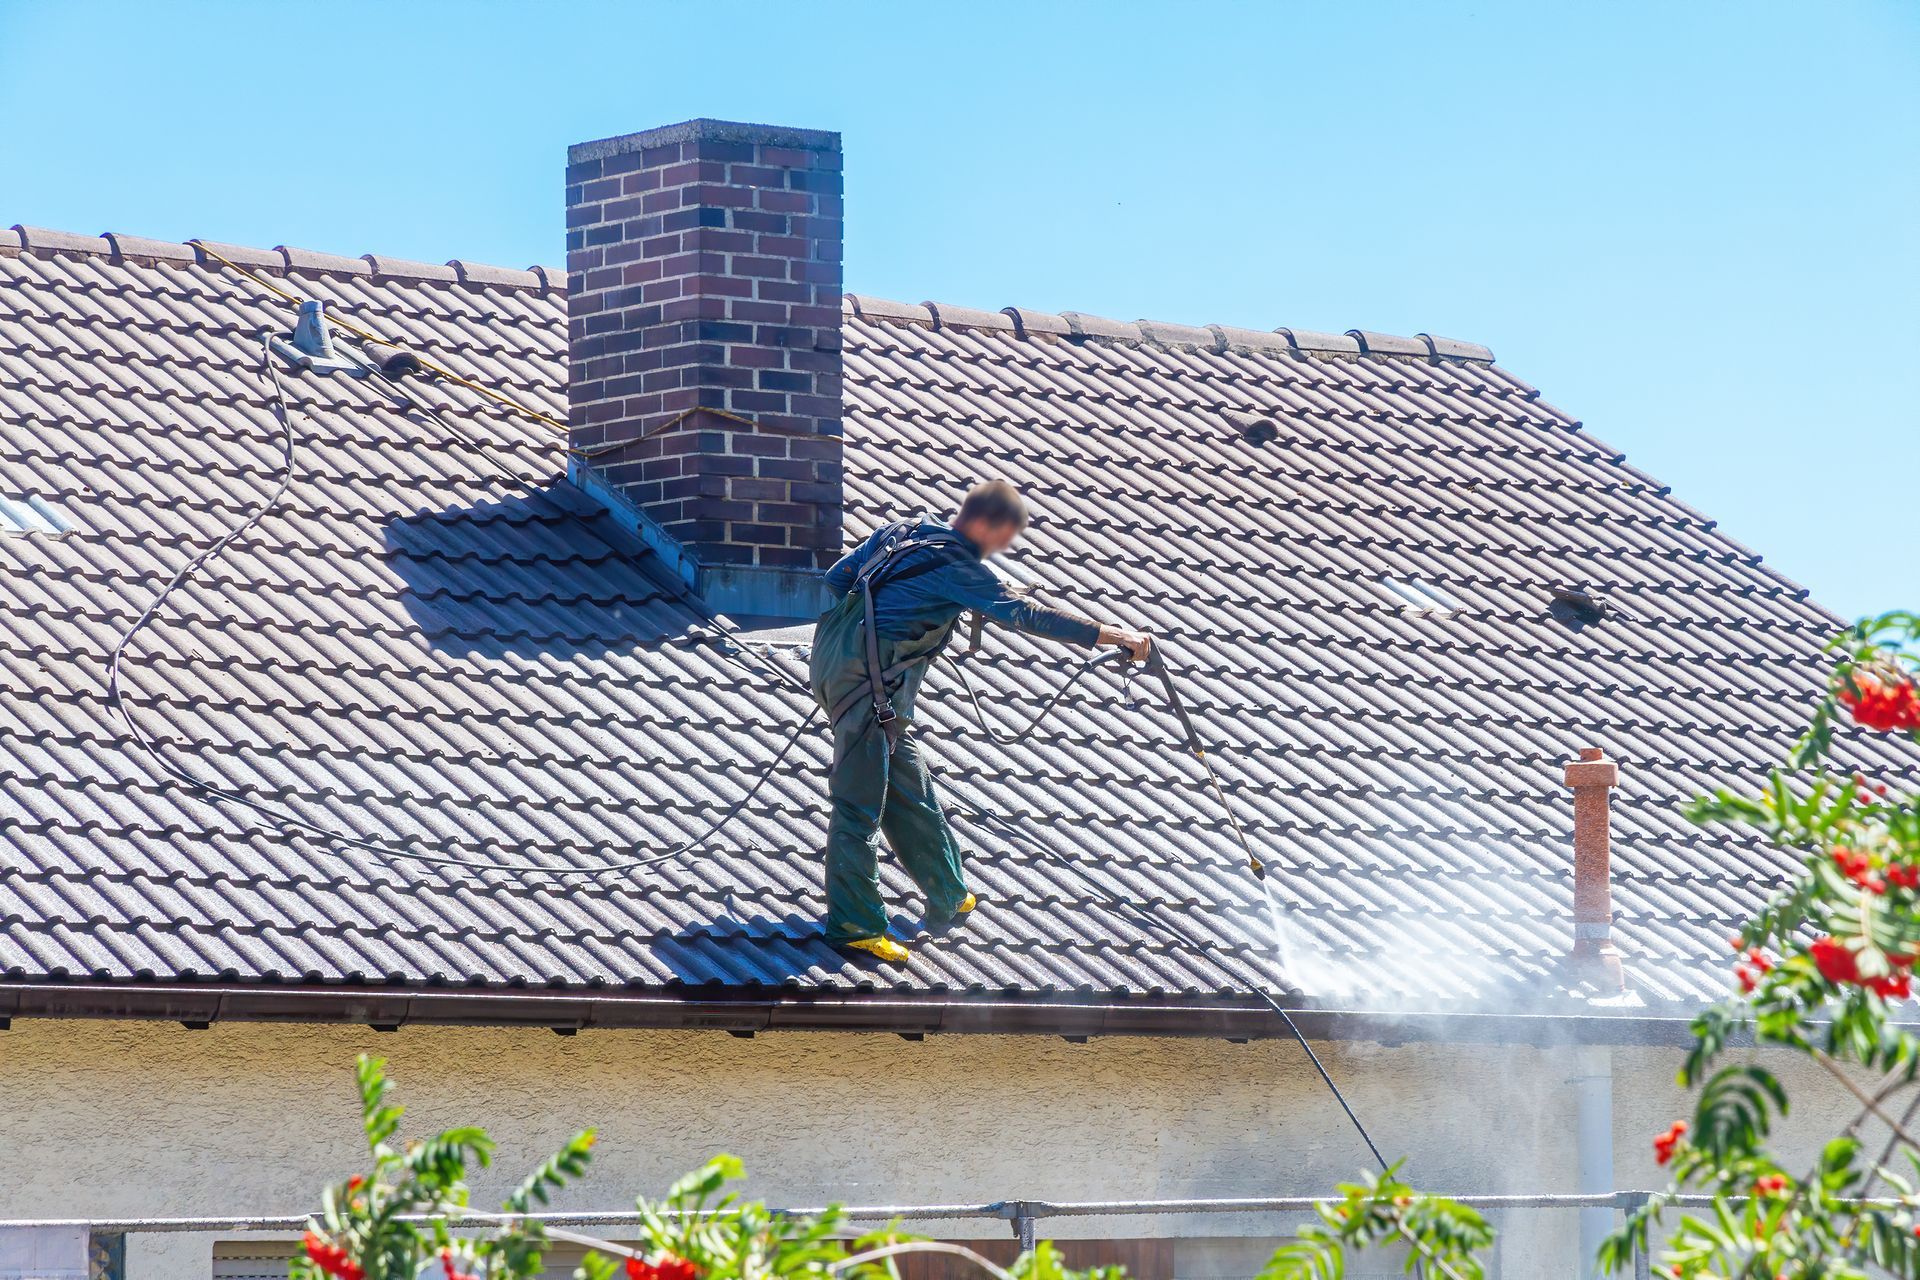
(704, 270)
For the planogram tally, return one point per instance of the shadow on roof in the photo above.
(758, 949)
(541, 572)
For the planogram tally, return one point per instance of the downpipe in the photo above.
(1593, 1146)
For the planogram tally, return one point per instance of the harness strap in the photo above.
(872, 575)
(883, 711)
(839, 709)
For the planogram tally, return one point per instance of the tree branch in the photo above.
(1866, 1099)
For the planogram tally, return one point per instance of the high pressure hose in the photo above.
(331, 837)
(1155, 665)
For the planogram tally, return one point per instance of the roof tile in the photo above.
(475, 273)
(1029, 323)
(1386, 344)
(41, 240)
(1085, 326)
(1310, 340)
(1454, 349)
(402, 269)
(950, 317)
(241, 254)
(1175, 335)
(882, 309)
(310, 261)
(141, 249)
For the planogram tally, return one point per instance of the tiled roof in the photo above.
(435, 637)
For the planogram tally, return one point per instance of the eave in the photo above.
(747, 1013)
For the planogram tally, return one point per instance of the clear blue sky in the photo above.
(1696, 227)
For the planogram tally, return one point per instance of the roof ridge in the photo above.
(1075, 326)
(281, 258)
(1072, 326)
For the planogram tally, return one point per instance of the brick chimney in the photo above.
(704, 284)
(1593, 778)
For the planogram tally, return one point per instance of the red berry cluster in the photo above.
(1749, 974)
(668, 1268)
(1771, 1185)
(332, 1258)
(1863, 795)
(1858, 867)
(453, 1272)
(1881, 697)
(1839, 965)
(1664, 1144)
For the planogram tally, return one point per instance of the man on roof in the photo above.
(899, 594)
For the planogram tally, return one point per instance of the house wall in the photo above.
(151, 1119)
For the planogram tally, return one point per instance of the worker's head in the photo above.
(992, 516)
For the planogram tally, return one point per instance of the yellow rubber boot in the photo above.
(883, 947)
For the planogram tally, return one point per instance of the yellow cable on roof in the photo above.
(366, 335)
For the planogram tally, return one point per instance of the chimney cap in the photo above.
(1593, 769)
(705, 130)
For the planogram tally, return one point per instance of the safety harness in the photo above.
(880, 569)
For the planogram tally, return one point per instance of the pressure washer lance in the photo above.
(1156, 665)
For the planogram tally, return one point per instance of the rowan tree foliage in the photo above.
(1818, 972)
(409, 1215)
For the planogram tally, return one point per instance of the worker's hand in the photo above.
(1136, 643)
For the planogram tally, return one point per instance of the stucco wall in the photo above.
(149, 1119)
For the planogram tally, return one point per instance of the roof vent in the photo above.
(311, 346)
(1577, 604)
(1255, 431)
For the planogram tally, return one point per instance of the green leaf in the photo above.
(596, 1266)
(1733, 1115)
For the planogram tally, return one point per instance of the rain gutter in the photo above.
(569, 1011)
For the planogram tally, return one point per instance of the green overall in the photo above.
(923, 574)
(874, 789)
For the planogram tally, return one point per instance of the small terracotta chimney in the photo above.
(1593, 778)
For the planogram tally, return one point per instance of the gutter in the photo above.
(565, 1012)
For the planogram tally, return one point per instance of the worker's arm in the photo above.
(971, 585)
(1136, 643)
(846, 569)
